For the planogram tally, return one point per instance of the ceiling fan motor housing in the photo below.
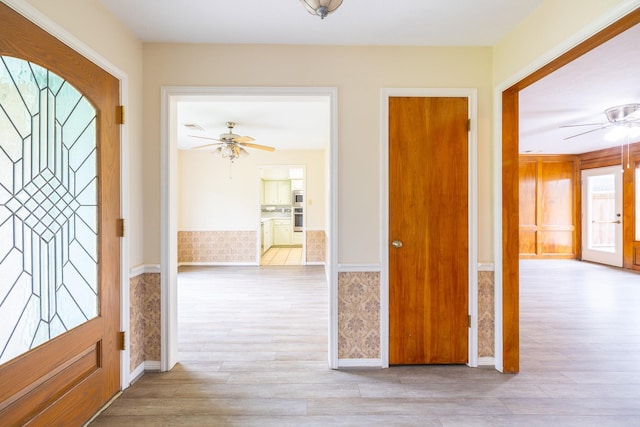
(621, 112)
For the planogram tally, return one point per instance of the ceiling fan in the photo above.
(622, 119)
(230, 145)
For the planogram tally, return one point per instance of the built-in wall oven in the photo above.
(297, 198)
(298, 219)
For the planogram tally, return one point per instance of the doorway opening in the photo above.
(507, 286)
(282, 237)
(470, 255)
(240, 187)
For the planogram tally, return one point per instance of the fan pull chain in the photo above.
(628, 152)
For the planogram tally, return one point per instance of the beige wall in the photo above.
(547, 28)
(210, 200)
(94, 26)
(359, 73)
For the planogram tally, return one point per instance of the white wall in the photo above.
(210, 200)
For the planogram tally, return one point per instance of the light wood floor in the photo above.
(253, 350)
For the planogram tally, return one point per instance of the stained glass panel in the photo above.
(48, 207)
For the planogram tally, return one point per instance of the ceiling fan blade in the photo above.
(243, 139)
(259, 147)
(584, 133)
(584, 124)
(207, 145)
(205, 137)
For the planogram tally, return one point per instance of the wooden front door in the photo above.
(428, 230)
(59, 250)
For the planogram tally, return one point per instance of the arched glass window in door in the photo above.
(48, 207)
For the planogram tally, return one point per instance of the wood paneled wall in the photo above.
(549, 206)
(549, 203)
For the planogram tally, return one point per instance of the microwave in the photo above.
(297, 198)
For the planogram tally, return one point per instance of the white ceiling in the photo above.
(577, 93)
(283, 122)
(356, 22)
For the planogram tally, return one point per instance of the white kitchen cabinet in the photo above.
(277, 193)
(297, 184)
(282, 232)
(297, 238)
(267, 235)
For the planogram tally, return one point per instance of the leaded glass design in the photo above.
(48, 207)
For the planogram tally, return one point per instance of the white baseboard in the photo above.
(151, 365)
(144, 268)
(486, 361)
(360, 363)
(315, 263)
(136, 373)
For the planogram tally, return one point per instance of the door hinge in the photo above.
(469, 321)
(122, 343)
(120, 227)
(120, 114)
(468, 125)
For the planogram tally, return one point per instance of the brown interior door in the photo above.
(428, 230)
(60, 254)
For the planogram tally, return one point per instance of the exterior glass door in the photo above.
(48, 207)
(602, 215)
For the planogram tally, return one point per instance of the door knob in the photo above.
(397, 244)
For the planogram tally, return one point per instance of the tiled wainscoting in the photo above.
(237, 247)
(359, 315)
(486, 314)
(316, 246)
(144, 318)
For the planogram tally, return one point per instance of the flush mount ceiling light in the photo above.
(321, 7)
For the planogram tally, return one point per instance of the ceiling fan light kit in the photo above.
(623, 120)
(321, 8)
(229, 145)
(623, 112)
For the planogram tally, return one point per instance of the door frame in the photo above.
(613, 259)
(472, 95)
(170, 95)
(505, 159)
(43, 21)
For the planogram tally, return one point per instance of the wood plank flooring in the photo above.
(253, 350)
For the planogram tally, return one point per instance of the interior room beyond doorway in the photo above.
(282, 215)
